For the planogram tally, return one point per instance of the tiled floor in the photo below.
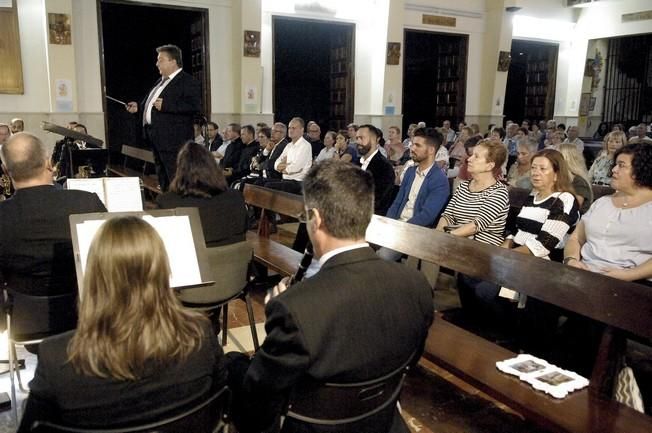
(432, 400)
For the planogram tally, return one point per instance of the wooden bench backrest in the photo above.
(621, 304)
(624, 305)
(280, 202)
(138, 153)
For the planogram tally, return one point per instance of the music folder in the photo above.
(181, 232)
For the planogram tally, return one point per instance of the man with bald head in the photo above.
(36, 255)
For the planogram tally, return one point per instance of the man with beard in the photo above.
(424, 191)
(375, 163)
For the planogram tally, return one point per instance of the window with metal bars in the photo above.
(628, 83)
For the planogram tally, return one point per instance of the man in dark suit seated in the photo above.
(374, 162)
(357, 319)
(36, 255)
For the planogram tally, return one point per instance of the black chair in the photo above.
(338, 404)
(30, 319)
(230, 268)
(209, 416)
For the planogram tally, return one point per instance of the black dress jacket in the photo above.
(358, 318)
(383, 174)
(223, 216)
(60, 394)
(171, 126)
(36, 256)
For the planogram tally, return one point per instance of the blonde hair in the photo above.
(575, 160)
(616, 134)
(129, 317)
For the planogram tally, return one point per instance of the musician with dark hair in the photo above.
(168, 111)
(357, 319)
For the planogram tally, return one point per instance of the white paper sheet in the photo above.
(95, 185)
(177, 237)
(123, 194)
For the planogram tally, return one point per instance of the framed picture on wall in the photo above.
(585, 100)
(393, 53)
(251, 43)
(504, 59)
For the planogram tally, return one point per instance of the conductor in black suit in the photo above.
(168, 111)
(357, 319)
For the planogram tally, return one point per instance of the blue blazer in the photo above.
(431, 199)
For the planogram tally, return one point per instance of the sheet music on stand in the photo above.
(180, 230)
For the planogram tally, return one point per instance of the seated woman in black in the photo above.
(137, 355)
(200, 183)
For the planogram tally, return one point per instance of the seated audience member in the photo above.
(136, 356)
(233, 151)
(380, 168)
(602, 131)
(519, 173)
(600, 172)
(213, 138)
(410, 133)
(618, 127)
(351, 131)
(343, 150)
(36, 256)
(478, 208)
(273, 151)
(577, 167)
(198, 130)
(329, 147)
(250, 148)
(314, 138)
(549, 212)
(556, 139)
(535, 132)
(640, 134)
(475, 128)
(613, 237)
(498, 133)
(448, 133)
(326, 328)
(17, 125)
(394, 146)
(5, 133)
(424, 190)
(457, 150)
(199, 183)
(463, 173)
(573, 138)
(264, 138)
(442, 159)
(295, 160)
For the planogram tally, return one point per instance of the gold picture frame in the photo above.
(11, 67)
(251, 43)
(393, 53)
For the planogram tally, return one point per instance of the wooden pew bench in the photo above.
(271, 254)
(148, 182)
(625, 309)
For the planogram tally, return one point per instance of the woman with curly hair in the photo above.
(614, 237)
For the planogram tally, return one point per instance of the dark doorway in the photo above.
(129, 35)
(313, 71)
(434, 78)
(530, 92)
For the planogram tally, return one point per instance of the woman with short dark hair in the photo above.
(200, 183)
(614, 236)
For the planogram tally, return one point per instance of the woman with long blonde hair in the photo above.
(600, 172)
(577, 166)
(137, 354)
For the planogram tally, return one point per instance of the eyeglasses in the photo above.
(305, 216)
